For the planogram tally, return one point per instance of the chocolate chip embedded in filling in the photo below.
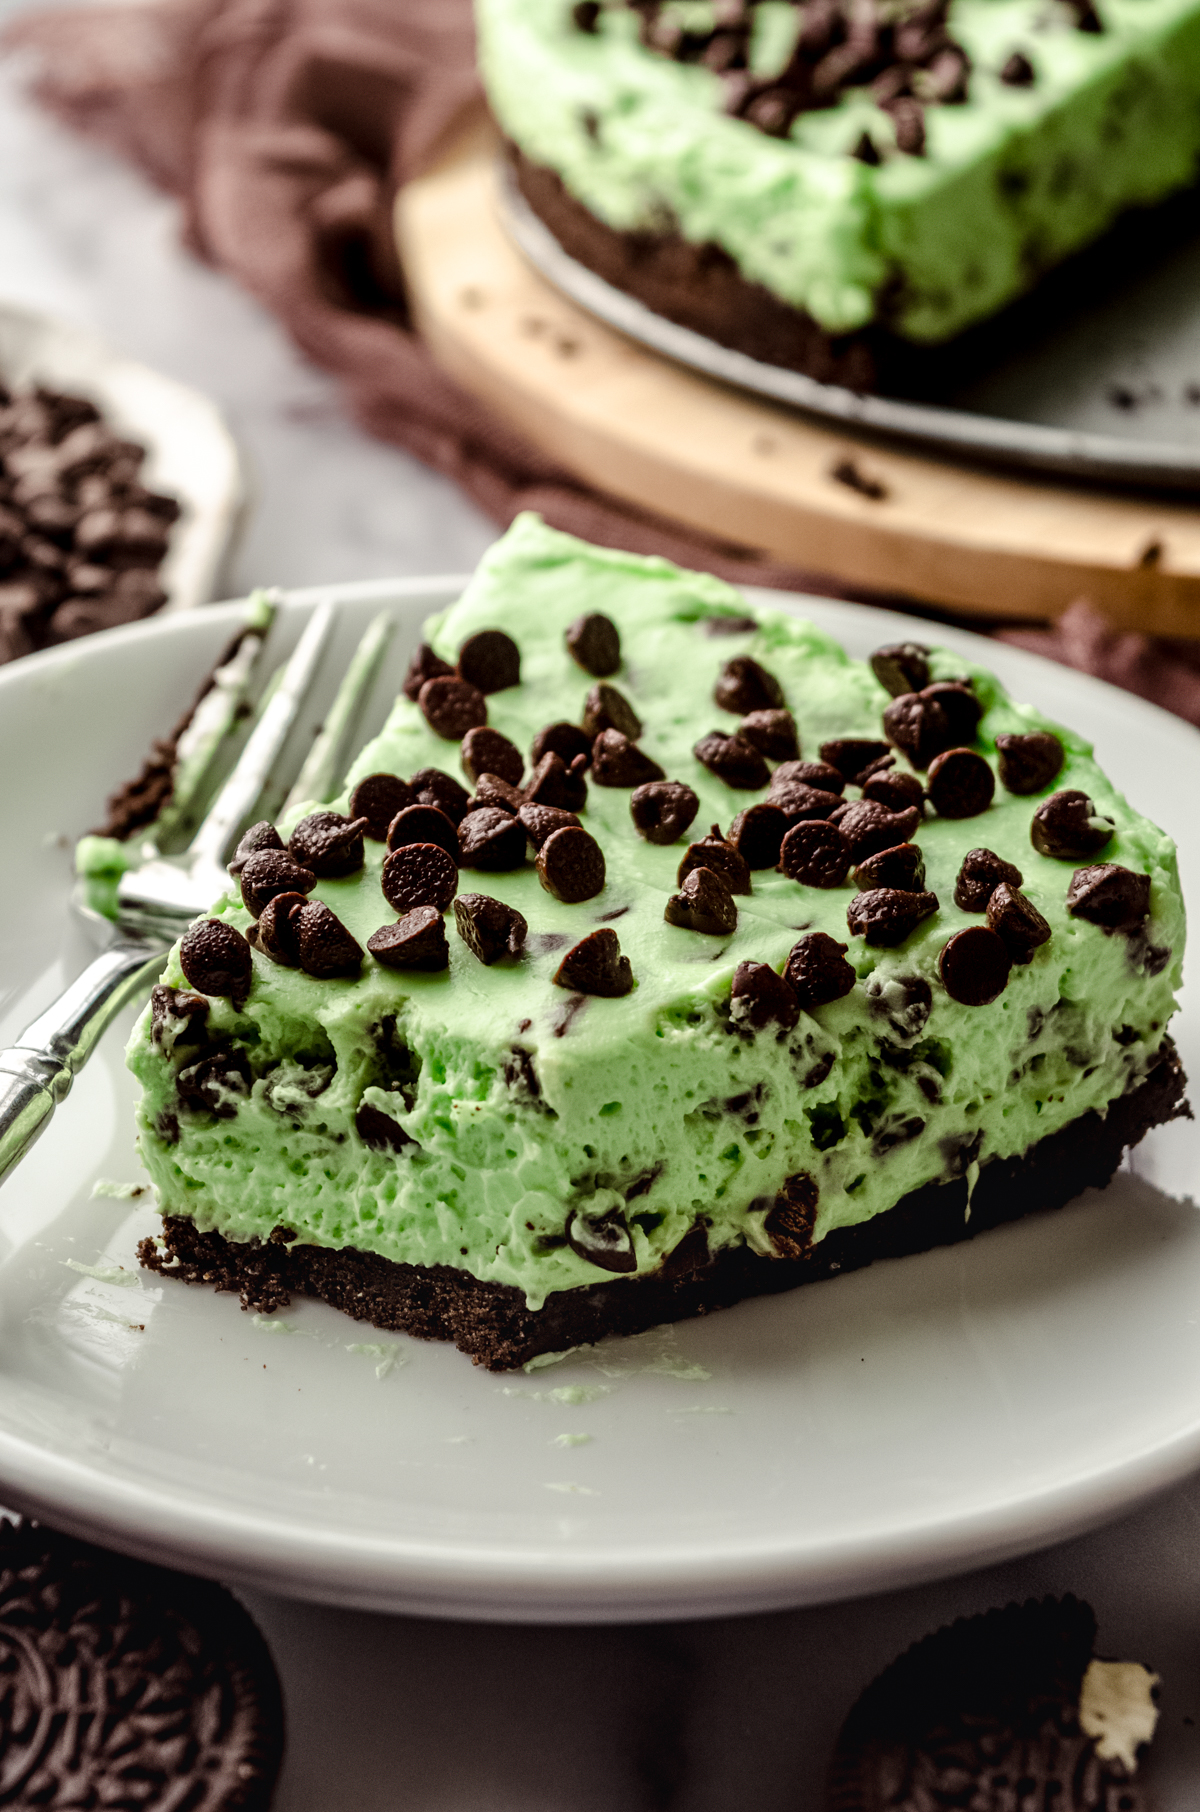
(377, 799)
(489, 928)
(716, 853)
(793, 1216)
(901, 667)
(818, 774)
(607, 709)
(1107, 894)
(424, 665)
(276, 933)
(1017, 922)
(905, 1001)
(564, 740)
(1030, 762)
(490, 661)
(218, 1084)
(711, 626)
(703, 903)
(961, 784)
(433, 786)
(868, 827)
(662, 810)
(772, 733)
(604, 1240)
(732, 760)
(378, 1130)
(492, 840)
(419, 874)
(329, 844)
(902, 867)
(896, 790)
(177, 1016)
(815, 853)
(261, 836)
(981, 873)
(618, 762)
(975, 966)
(326, 949)
(1067, 826)
(818, 971)
(761, 998)
(215, 959)
(553, 783)
(570, 865)
(451, 707)
(886, 916)
(486, 751)
(541, 821)
(594, 641)
(423, 824)
(417, 941)
(757, 834)
(743, 685)
(272, 871)
(596, 965)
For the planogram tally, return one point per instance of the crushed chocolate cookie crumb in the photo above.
(603, 1240)
(378, 1130)
(792, 1216)
(728, 625)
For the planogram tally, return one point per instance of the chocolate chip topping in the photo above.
(819, 774)
(1017, 922)
(618, 762)
(868, 826)
(328, 843)
(743, 685)
(594, 641)
(554, 783)
(815, 853)
(326, 948)
(757, 834)
(703, 903)
(798, 801)
(433, 786)
(885, 916)
(486, 751)
(732, 760)
(451, 707)
(564, 740)
(901, 667)
(260, 836)
(853, 756)
(490, 661)
(417, 941)
(981, 873)
(419, 874)
(919, 727)
(760, 998)
(607, 709)
(1029, 763)
(595, 965)
(541, 821)
(716, 853)
(895, 789)
(489, 928)
(662, 810)
(602, 1239)
(215, 959)
(1068, 827)
(961, 784)
(975, 966)
(902, 866)
(492, 840)
(818, 970)
(377, 799)
(491, 790)
(570, 865)
(276, 933)
(423, 824)
(272, 871)
(1109, 895)
(772, 733)
(425, 665)
(961, 707)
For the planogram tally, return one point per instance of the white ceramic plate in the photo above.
(905, 1422)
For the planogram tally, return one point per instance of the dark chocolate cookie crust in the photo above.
(491, 1322)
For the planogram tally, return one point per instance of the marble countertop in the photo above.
(388, 1713)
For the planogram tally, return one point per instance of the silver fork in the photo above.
(159, 899)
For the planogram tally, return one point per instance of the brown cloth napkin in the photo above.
(285, 126)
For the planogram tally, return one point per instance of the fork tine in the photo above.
(321, 774)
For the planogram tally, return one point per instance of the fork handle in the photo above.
(37, 1072)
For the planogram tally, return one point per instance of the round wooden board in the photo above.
(641, 428)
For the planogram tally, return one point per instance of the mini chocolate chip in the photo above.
(1109, 895)
(819, 774)
(378, 1130)
(602, 1239)
(564, 740)
(772, 733)
(595, 965)
(451, 707)
(177, 1016)
(1017, 71)
(757, 833)
(490, 661)
(560, 785)
(259, 837)
(541, 821)
(423, 824)
(885, 916)
(815, 853)
(419, 874)
(742, 686)
(494, 791)
(1017, 922)
(328, 843)
(492, 840)
(486, 751)
(275, 933)
(433, 786)
(377, 799)
(489, 928)
(895, 790)
(711, 626)
(215, 959)
(975, 966)
(326, 948)
(852, 756)
(760, 998)
(732, 760)
(425, 665)
(961, 784)
(607, 709)
(716, 853)
(818, 970)
(868, 826)
(962, 709)
(570, 865)
(417, 941)
(594, 641)
(1068, 826)
(902, 866)
(799, 801)
(272, 871)
(618, 762)
(1029, 763)
(662, 810)
(704, 903)
(901, 667)
(981, 873)
(919, 727)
